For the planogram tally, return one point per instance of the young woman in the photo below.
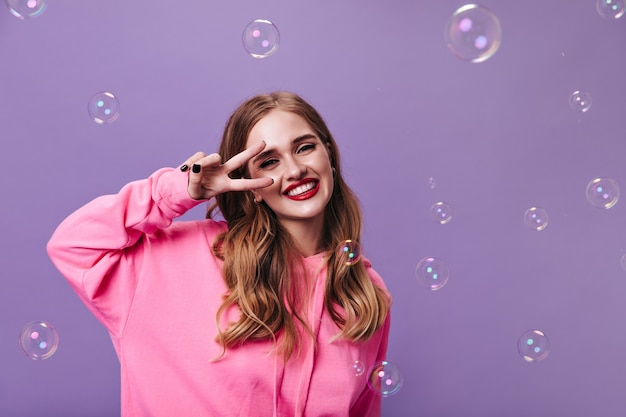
(256, 315)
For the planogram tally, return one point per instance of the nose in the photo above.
(294, 170)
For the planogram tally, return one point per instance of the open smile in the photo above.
(302, 190)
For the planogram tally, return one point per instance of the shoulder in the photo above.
(373, 274)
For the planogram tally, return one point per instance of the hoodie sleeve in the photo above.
(98, 247)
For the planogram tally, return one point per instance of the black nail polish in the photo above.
(195, 168)
(184, 168)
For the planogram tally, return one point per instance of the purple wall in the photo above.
(497, 137)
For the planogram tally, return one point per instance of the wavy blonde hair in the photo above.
(258, 254)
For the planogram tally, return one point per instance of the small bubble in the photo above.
(580, 101)
(260, 38)
(385, 378)
(611, 9)
(38, 340)
(349, 252)
(432, 273)
(603, 192)
(441, 212)
(473, 33)
(536, 218)
(358, 368)
(104, 108)
(533, 346)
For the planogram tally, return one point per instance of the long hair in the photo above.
(258, 254)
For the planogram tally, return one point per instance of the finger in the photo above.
(189, 161)
(209, 161)
(248, 184)
(244, 156)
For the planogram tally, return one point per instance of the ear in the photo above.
(256, 197)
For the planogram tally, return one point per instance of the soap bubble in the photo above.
(261, 38)
(24, 9)
(580, 101)
(39, 340)
(104, 108)
(441, 212)
(432, 273)
(432, 184)
(385, 378)
(602, 192)
(533, 346)
(349, 252)
(536, 218)
(611, 9)
(473, 33)
(623, 262)
(358, 368)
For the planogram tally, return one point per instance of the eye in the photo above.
(268, 163)
(306, 147)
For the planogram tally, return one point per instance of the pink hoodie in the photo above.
(156, 287)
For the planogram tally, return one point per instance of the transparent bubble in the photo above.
(611, 9)
(24, 9)
(261, 38)
(441, 212)
(533, 346)
(603, 192)
(536, 218)
(384, 378)
(473, 33)
(623, 262)
(432, 273)
(104, 108)
(432, 184)
(349, 252)
(39, 340)
(358, 368)
(580, 101)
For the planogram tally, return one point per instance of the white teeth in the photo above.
(301, 189)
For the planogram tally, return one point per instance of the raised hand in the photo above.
(208, 176)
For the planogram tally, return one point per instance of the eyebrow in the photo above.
(297, 140)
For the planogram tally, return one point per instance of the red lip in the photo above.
(308, 194)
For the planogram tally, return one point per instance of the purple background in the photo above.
(498, 137)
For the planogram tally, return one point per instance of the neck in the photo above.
(307, 236)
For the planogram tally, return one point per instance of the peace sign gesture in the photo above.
(208, 176)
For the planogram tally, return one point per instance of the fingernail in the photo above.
(195, 168)
(184, 168)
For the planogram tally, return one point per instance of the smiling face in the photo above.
(298, 162)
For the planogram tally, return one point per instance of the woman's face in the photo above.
(298, 162)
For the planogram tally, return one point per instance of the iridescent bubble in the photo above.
(24, 9)
(260, 38)
(104, 108)
(533, 346)
(349, 252)
(536, 218)
(384, 378)
(432, 184)
(358, 368)
(602, 192)
(432, 273)
(39, 340)
(473, 33)
(611, 9)
(441, 212)
(580, 101)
